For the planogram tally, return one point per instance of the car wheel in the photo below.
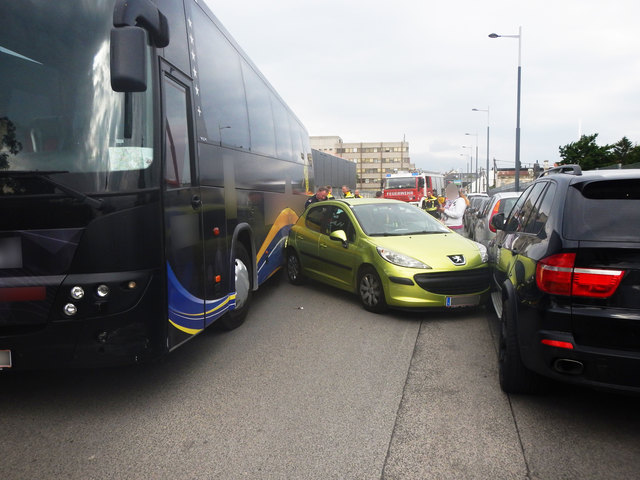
(371, 291)
(514, 376)
(243, 275)
(294, 268)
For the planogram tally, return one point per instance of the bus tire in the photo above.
(243, 275)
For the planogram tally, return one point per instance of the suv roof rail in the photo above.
(570, 169)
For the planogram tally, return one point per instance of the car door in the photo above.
(339, 261)
(307, 234)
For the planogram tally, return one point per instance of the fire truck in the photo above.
(413, 188)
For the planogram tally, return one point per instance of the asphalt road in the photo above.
(327, 391)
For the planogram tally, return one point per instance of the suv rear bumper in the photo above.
(583, 365)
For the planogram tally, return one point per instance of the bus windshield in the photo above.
(58, 113)
(400, 182)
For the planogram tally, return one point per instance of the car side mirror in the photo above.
(339, 236)
(497, 221)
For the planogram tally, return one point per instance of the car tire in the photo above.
(294, 268)
(244, 292)
(514, 376)
(371, 291)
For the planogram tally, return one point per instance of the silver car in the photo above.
(483, 232)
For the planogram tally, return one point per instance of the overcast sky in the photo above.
(377, 70)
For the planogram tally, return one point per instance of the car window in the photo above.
(530, 205)
(538, 219)
(512, 222)
(339, 220)
(317, 218)
(605, 211)
(506, 204)
(396, 219)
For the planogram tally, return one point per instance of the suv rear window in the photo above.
(606, 210)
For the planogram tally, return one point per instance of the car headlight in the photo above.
(400, 259)
(484, 255)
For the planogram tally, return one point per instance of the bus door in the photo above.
(182, 213)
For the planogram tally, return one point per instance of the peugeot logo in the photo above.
(457, 259)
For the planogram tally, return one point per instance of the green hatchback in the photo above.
(391, 253)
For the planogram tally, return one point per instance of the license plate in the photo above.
(10, 252)
(5, 358)
(466, 301)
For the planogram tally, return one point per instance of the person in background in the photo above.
(320, 195)
(356, 194)
(346, 192)
(329, 192)
(453, 209)
(378, 194)
(431, 205)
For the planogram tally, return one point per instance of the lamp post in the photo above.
(519, 37)
(487, 171)
(470, 169)
(477, 178)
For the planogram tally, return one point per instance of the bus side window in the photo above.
(178, 157)
(420, 183)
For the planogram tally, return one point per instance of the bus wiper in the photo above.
(44, 175)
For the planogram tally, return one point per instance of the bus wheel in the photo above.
(371, 291)
(236, 317)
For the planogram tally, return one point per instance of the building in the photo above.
(374, 160)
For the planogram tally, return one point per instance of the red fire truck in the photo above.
(413, 188)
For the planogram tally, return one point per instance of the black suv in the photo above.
(567, 281)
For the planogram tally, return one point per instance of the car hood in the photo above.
(434, 249)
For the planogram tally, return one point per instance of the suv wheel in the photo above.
(514, 376)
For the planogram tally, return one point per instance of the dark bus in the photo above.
(149, 175)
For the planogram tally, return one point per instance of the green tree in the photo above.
(625, 152)
(586, 153)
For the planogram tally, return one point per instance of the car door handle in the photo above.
(299, 237)
(196, 202)
(323, 245)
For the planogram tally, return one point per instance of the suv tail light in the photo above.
(557, 275)
(495, 210)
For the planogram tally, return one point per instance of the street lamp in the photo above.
(470, 164)
(519, 37)
(476, 181)
(487, 171)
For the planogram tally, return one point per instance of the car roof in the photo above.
(362, 201)
(506, 195)
(592, 175)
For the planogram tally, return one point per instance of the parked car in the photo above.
(475, 199)
(483, 232)
(475, 216)
(390, 253)
(567, 281)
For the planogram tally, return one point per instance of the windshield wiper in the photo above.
(44, 175)
(424, 232)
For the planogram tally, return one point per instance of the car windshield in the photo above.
(605, 211)
(393, 219)
(58, 113)
(400, 182)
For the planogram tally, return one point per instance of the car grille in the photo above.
(454, 283)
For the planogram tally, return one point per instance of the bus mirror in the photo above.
(128, 62)
(142, 13)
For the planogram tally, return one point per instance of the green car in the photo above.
(392, 254)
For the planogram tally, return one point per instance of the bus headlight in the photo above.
(77, 292)
(102, 291)
(70, 309)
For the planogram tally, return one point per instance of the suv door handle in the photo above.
(196, 202)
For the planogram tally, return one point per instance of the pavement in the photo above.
(314, 387)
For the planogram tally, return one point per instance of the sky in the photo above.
(370, 70)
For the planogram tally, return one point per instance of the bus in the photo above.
(414, 188)
(149, 175)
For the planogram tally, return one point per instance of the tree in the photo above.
(586, 153)
(624, 152)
